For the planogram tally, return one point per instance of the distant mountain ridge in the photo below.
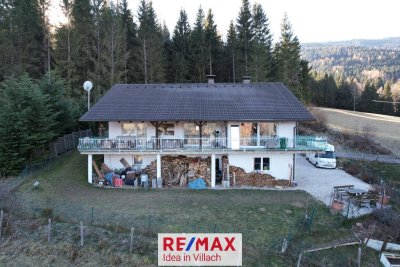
(361, 58)
(386, 43)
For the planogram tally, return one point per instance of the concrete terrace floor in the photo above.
(319, 182)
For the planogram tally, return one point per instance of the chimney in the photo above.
(211, 78)
(246, 79)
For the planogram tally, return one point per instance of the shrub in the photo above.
(47, 213)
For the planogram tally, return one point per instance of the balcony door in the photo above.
(235, 137)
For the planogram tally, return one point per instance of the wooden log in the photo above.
(105, 168)
(125, 163)
(99, 173)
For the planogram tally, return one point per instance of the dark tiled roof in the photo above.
(207, 102)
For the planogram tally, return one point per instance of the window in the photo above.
(167, 129)
(129, 128)
(261, 164)
(137, 159)
(267, 129)
(257, 164)
(248, 130)
(327, 155)
(192, 130)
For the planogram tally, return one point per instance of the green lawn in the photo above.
(264, 217)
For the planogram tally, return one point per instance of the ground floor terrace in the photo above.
(178, 168)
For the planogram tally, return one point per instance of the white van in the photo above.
(326, 159)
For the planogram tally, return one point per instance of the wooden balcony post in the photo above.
(201, 124)
(156, 125)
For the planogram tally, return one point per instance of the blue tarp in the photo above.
(199, 183)
(109, 177)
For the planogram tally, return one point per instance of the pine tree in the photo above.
(22, 38)
(231, 47)
(181, 48)
(130, 43)
(245, 33)
(83, 43)
(27, 122)
(369, 94)
(198, 48)
(261, 64)
(304, 78)
(65, 112)
(7, 51)
(287, 56)
(387, 108)
(169, 55)
(214, 45)
(152, 58)
(62, 47)
(112, 57)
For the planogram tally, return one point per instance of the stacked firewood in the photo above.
(180, 170)
(254, 178)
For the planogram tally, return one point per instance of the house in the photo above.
(253, 125)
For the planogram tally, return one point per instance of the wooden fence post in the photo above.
(81, 234)
(1, 222)
(131, 244)
(299, 260)
(65, 143)
(49, 230)
(55, 149)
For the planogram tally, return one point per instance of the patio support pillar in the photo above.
(201, 124)
(90, 169)
(158, 165)
(156, 125)
(212, 170)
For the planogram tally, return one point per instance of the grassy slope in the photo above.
(264, 217)
(385, 128)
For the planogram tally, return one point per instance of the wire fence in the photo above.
(257, 251)
(369, 157)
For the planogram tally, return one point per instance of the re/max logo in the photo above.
(198, 244)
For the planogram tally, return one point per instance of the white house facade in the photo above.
(253, 125)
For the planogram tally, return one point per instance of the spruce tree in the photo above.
(214, 46)
(83, 43)
(366, 103)
(231, 47)
(261, 64)
(22, 38)
(387, 108)
(27, 123)
(152, 57)
(245, 33)
(181, 48)
(130, 43)
(198, 48)
(287, 56)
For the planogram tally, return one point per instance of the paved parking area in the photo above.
(319, 182)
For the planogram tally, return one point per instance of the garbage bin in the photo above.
(283, 143)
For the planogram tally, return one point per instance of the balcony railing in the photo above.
(198, 144)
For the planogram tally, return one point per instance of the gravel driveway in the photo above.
(319, 182)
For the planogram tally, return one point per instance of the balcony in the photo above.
(134, 144)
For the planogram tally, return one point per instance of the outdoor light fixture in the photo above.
(87, 86)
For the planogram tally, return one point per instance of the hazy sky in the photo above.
(312, 20)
